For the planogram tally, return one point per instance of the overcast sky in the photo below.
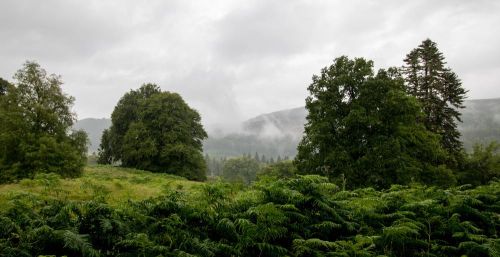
(232, 60)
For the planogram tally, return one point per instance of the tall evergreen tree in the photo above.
(256, 157)
(439, 91)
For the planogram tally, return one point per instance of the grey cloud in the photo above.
(263, 29)
(232, 60)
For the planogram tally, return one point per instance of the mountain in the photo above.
(481, 122)
(278, 133)
(94, 128)
(281, 123)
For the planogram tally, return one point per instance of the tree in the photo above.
(256, 157)
(440, 93)
(282, 169)
(36, 122)
(4, 84)
(105, 151)
(363, 128)
(241, 169)
(156, 131)
(482, 165)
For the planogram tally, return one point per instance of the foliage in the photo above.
(156, 131)
(440, 92)
(482, 165)
(4, 84)
(36, 118)
(242, 169)
(300, 216)
(363, 129)
(278, 170)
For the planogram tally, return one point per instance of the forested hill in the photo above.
(481, 121)
(278, 133)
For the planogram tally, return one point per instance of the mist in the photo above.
(234, 60)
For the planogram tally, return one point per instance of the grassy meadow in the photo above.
(115, 184)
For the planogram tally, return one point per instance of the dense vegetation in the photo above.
(380, 151)
(364, 128)
(156, 131)
(396, 127)
(35, 120)
(298, 216)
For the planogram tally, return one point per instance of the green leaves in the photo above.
(299, 216)
(243, 170)
(440, 93)
(362, 129)
(36, 119)
(156, 131)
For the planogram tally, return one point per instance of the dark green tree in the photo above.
(440, 93)
(35, 133)
(155, 131)
(4, 84)
(363, 128)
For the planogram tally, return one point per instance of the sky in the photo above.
(232, 59)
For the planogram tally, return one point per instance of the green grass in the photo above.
(115, 184)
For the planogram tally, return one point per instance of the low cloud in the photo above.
(233, 60)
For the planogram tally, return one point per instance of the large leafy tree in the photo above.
(362, 130)
(440, 93)
(156, 131)
(36, 121)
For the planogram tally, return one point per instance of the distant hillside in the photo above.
(94, 129)
(481, 121)
(278, 124)
(278, 133)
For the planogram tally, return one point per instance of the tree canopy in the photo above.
(36, 121)
(362, 130)
(440, 93)
(242, 169)
(156, 131)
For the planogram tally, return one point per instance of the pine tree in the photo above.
(439, 91)
(256, 157)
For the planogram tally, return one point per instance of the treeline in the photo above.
(364, 128)
(215, 164)
(300, 216)
(247, 169)
(398, 125)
